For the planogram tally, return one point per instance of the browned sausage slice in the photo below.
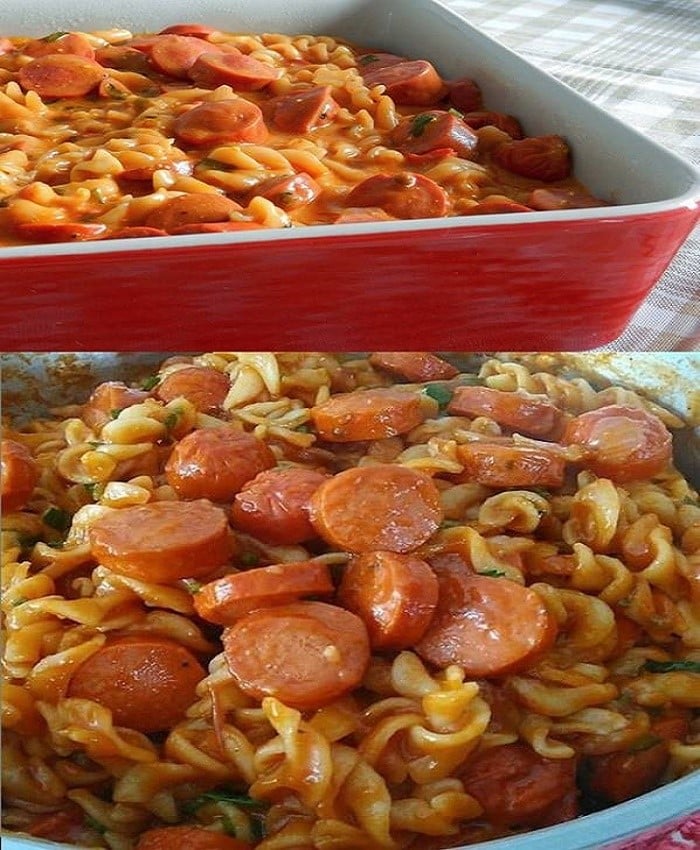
(107, 399)
(274, 506)
(175, 55)
(146, 681)
(526, 414)
(465, 95)
(193, 30)
(395, 596)
(221, 121)
(435, 130)
(303, 111)
(204, 387)
(305, 654)
(507, 123)
(61, 231)
(191, 209)
(414, 83)
(415, 366)
(19, 474)
(498, 465)
(226, 599)
(372, 414)
(235, 69)
(162, 542)
(70, 42)
(215, 463)
(61, 75)
(493, 626)
(289, 192)
(404, 195)
(515, 785)
(381, 507)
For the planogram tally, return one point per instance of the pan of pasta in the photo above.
(215, 177)
(380, 601)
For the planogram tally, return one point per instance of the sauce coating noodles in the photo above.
(308, 600)
(192, 130)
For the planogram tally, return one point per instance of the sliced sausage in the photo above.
(465, 95)
(507, 123)
(235, 69)
(137, 232)
(215, 463)
(625, 443)
(545, 158)
(147, 682)
(526, 414)
(374, 61)
(70, 42)
(479, 630)
(305, 654)
(498, 465)
(226, 599)
(403, 195)
(216, 227)
(496, 205)
(303, 111)
(107, 399)
(202, 386)
(274, 506)
(61, 231)
(191, 209)
(19, 474)
(162, 542)
(380, 507)
(434, 130)
(189, 837)
(414, 366)
(394, 595)
(221, 121)
(123, 58)
(174, 55)
(290, 191)
(61, 75)
(372, 414)
(193, 30)
(515, 785)
(414, 83)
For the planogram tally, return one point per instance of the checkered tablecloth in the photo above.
(640, 60)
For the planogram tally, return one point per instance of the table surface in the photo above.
(639, 60)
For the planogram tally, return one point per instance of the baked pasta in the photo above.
(193, 130)
(309, 601)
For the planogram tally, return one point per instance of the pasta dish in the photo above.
(312, 601)
(193, 130)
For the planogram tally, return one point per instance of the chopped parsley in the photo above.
(150, 382)
(249, 559)
(114, 413)
(440, 393)
(420, 122)
(367, 59)
(56, 518)
(214, 164)
(224, 795)
(652, 666)
(492, 573)
(645, 742)
(171, 420)
(94, 489)
(54, 36)
(19, 600)
(192, 585)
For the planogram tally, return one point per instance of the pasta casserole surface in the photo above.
(313, 600)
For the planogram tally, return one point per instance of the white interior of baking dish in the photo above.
(614, 161)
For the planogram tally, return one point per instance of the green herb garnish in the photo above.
(249, 559)
(652, 666)
(645, 742)
(54, 36)
(94, 489)
(56, 518)
(172, 419)
(367, 59)
(114, 413)
(420, 122)
(440, 393)
(19, 600)
(150, 383)
(492, 573)
(222, 796)
(192, 585)
(95, 824)
(214, 164)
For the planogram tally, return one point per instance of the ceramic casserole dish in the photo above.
(557, 280)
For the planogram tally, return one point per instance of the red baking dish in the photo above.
(564, 280)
